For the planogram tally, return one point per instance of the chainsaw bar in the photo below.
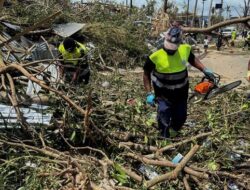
(222, 89)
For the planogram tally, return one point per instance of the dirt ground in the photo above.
(231, 65)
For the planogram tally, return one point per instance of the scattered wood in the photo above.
(173, 175)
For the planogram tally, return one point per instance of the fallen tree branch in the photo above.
(216, 26)
(14, 102)
(41, 83)
(88, 111)
(198, 183)
(139, 147)
(166, 163)
(173, 174)
(184, 141)
(42, 151)
(185, 182)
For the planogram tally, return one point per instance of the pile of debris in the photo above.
(102, 135)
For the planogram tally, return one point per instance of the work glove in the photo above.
(209, 73)
(150, 99)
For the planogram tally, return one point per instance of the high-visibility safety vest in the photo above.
(170, 70)
(233, 35)
(72, 55)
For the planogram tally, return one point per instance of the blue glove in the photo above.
(209, 73)
(150, 99)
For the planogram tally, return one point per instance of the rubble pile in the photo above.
(103, 135)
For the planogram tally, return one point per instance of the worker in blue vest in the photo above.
(166, 69)
(75, 67)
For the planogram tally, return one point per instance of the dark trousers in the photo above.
(171, 114)
(79, 74)
(247, 43)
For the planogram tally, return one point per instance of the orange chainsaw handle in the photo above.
(206, 85)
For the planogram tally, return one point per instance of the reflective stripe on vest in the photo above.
(74, 55)
(168, 86)
(170, 70)
(172, 76)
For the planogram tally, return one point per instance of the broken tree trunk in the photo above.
(244, 20)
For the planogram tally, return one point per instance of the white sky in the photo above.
(234, 3)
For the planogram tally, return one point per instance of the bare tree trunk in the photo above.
(165, 6)
(187, 13)
(195, 8)
(130, 7)
(220, 13)
(244, 20)
(1, 4)
(246, 7)
(210, 11)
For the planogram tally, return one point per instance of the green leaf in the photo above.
(150, 122)
(120, 175)
(244, 106)
(165, 143)
(145, 139)
(121, 178)
(119, 169)
(213, 166)
(73, 136)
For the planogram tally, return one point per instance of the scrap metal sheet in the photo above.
(11, 26)
(35, 114)
(68, 29)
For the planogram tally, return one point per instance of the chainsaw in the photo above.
(208, 88)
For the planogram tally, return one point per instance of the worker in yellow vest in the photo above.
(167, 70)
(233, 37)
(75, 67)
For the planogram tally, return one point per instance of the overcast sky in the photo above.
(234, 3)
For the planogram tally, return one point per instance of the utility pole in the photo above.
(221, 8)
(194, 15)
(210, 11)
(202, 20)
(187, 13)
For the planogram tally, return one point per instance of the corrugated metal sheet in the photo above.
(35, 114)
(13, 57)
(68, 29)
(11, 26)
(42, 52)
